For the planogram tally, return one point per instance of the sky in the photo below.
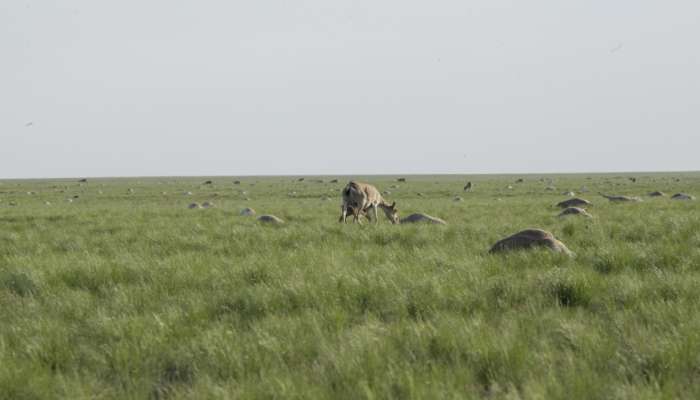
(222, 87)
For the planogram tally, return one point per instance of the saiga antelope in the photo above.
(362, 198)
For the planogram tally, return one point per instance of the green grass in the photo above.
(132, 295)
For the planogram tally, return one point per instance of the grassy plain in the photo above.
(129, 294)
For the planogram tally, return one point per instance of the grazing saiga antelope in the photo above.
(362, 198)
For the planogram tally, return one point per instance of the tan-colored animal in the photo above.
(530, 238)
(364, 198)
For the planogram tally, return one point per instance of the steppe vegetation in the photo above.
(114, 288)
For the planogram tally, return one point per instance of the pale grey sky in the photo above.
(168, 87)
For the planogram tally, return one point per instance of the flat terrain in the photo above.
(124, 292)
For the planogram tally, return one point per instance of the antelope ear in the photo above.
(393, 204)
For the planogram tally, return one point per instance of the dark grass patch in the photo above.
(65, 246)
(18, 283)
(607, 264)
(367, 297)
(570, 295)
(24, 381)
(242, 307)
(98, 280)
(498, 370)
(504, 293)
(443, 351)
(569, 230)
(174, 374)
(178, 372)
(569, 291)
(421, 304)
(256, 276)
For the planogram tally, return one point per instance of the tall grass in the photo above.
(125, 294)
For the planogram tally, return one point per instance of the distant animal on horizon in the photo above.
(363, 198)
(468, 187)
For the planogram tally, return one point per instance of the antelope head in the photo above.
(391, 212)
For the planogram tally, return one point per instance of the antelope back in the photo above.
(361, 194)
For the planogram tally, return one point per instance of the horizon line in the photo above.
(344, 174)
